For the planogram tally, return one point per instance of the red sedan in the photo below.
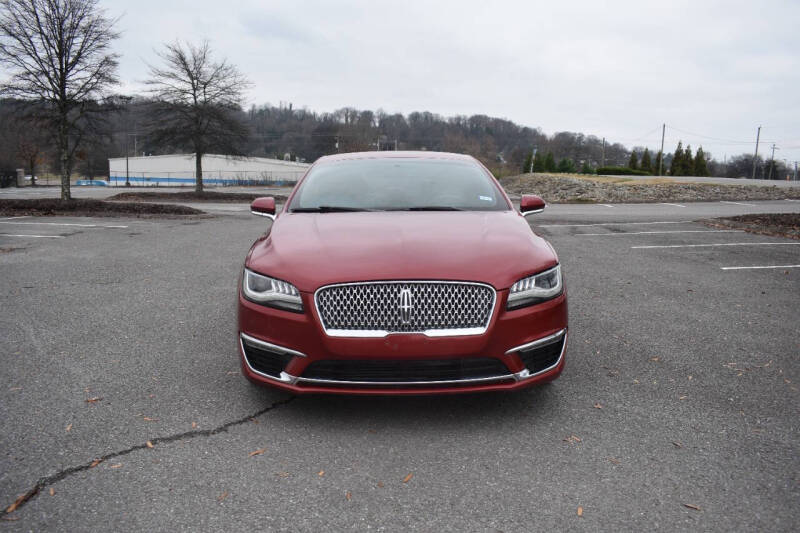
(401, 273)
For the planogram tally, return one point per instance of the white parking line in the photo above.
(661, 232)
(737, 203)
(606, 205)
(791, 200)
(34, 236)
(717, 244)
(14, 218)
(759, 267)
(63, 224)
(674, 205)
(613, 224)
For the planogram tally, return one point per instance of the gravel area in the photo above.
(569, 189)
(779, 225)
(84, 207)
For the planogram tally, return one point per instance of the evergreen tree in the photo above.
(687, 167)
(645, 164)
(538, 162)
(633, 163)
(657, 164)
(566, 165)
(700, 166)
(550, 162)
(526, 165)
(677, 161)
(587, 168)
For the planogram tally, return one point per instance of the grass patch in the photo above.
(774, 224)
(84, 207)
(191, 196)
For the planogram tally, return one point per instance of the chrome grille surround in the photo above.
(373, 308)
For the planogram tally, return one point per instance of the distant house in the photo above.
(179, 169)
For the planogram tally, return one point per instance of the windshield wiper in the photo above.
(433, 208)
(327, 209)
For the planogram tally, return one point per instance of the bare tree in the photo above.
(58, 54)
(31, 145)
(197, 103)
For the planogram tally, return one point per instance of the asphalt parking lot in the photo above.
(678, 408)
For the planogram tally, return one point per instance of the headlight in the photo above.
(535, 289)
(272, 292)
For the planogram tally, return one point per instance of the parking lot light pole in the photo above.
(127, 171)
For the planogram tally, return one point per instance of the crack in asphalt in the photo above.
(63, 474)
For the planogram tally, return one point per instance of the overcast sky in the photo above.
(617, 69)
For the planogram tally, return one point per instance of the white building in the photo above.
(179, 169)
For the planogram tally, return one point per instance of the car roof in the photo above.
(409, 154)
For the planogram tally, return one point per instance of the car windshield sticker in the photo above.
(485, 198)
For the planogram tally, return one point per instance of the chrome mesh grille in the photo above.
(405, 307)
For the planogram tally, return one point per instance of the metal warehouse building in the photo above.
(179, 169)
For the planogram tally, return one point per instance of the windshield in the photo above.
(398, 184)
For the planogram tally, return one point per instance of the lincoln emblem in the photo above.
(406, 305)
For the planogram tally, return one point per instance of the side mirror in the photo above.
(530, 204)
(263, 207)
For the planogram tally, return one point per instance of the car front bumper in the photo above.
(520, 348)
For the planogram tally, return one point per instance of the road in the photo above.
(678, 408)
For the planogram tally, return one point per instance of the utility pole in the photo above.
(772, 161)
(795, 171)
(661, 155)
(603, 154)
(533, 156)
(395, 145)
(755, 156)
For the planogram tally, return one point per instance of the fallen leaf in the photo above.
(194, 425)
(347, 495)
(654, 359)
(150, 419)
(52, 491)
(615, 461)
(690, 378)
(116, 465)
(95, 399)
(572, 439)
(254, 421)
(692, 506)
(15, 388)
(222, 496)
(95, 463)
(677, 444)
(257, 452)
(682, 397)
(283, 474)
(152, 396)
(69, 426)
(148, 444)
(598, 406)
(19, 501)
(580, 511)
(408, 478)
(321, 473)
(380, 484)
(231, 373)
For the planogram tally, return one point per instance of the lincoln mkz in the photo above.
(401, 273)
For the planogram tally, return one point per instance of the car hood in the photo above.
(312, 249)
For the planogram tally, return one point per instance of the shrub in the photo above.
(621, 171)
